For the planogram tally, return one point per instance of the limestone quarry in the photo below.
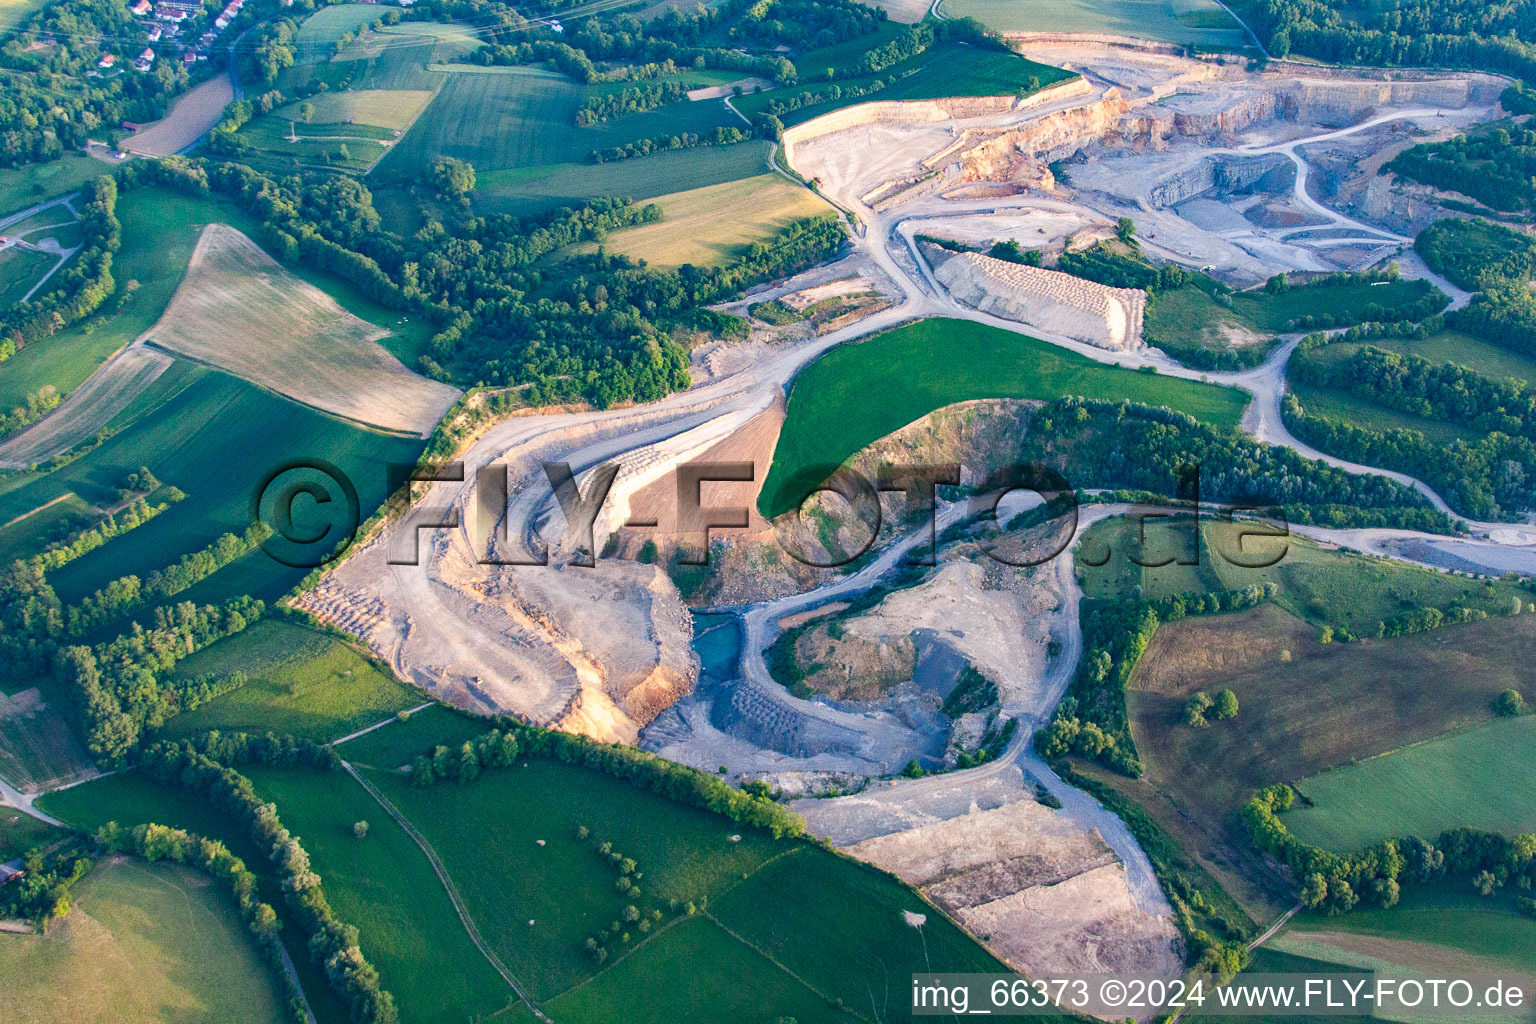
(1220, 168)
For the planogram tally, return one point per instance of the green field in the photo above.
(397, 743)
(1273, 312)
(565, 887)
(303, 683)
(1111, 554)
(1432, 928)
(1197, 23)
(527, 119)
(316, 38)
(129, 799)
(21, 832)
(525, 190)
(385, 886)
(1479, 778)
(215, 420)
(1444, 347)
(1320, 585)
(20, 187)
(160, 229)
(942, 71)
(858, 393)
(1362, 412)
(663, 981)
(144, 942)
(1305, 706)
(20, 270)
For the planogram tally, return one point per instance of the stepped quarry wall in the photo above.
(1047, 299)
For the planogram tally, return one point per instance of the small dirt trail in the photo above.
(452, 891)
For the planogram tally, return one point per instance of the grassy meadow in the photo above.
(21, 832)
(144, 943)
(385, 886)
(20, 187)
(858, 393)
(303, 683)
(525, 190)
(1478, 778)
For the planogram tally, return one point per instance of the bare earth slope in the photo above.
(239, 310)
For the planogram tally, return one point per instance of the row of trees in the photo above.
(724, 135)
(594, 327)
(1496, 166)
(497, 748)
(1439, 391)
(333, 944)
(1405, 33)
(1098, 444)
(632, 99)
(117, 687)
(1483, 479)
(1091, 719)
(109, 526)
(1339, 882)
(80, 288)
(159, 842)
(126, 594)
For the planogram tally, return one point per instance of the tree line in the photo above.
(1337, 883)
(593, 327)
(724, 135)
(1099, 444)
(1482, 479)
(117, 687)
(510, 738)
(80, 288)
(154, 842)
(1091, 719)
(1411, 384)
(205, 769)
(1401, 33)
(1496, 166)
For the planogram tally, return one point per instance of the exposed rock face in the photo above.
(1047, 299)
(1046, 895)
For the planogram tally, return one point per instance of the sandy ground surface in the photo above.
(191, 117)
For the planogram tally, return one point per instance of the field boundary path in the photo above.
(365, 730)
(452, 891)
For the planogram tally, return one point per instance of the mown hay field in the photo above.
(239, 310)
(37, 749)
(144, 942)
(217, 438)
(1479, 778)
(858, 393)
(302, 683)
(711, 226)
(386, 108)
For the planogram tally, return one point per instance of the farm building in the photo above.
(141, 8)
(9, 870)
